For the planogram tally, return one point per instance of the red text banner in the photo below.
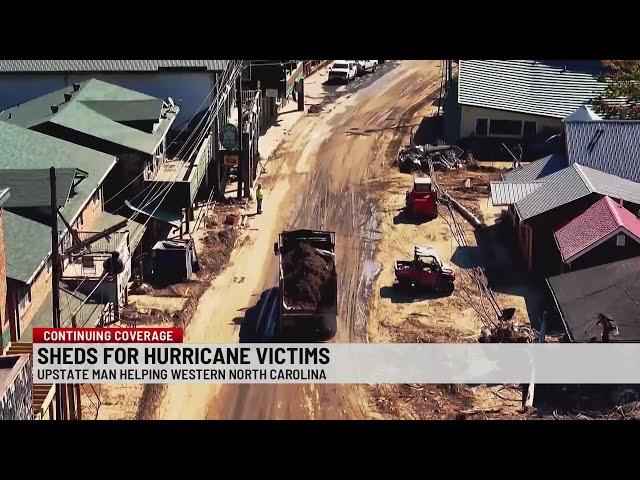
(108, 335)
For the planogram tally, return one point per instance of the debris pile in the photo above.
(507, 332)
(307, 278)
(413, 158)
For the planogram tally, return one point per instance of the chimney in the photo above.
(67, 97)
(76, 87)
(54, 108)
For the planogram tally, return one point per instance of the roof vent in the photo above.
(67, 97)
(76, 87)
(54, 109)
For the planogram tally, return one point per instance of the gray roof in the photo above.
(572, 183)
(506, 193)
(30, 187)
(538, 169)
(607, 145)
(27, 242)
(612, 289)
(97, 109)
(537, 87)
(43, 66)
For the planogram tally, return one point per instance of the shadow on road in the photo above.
(259, 323)
(405, 218)
(408, 295)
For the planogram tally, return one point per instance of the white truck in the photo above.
(367, 66)
(342, 71)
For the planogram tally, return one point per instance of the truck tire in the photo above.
(446, 287)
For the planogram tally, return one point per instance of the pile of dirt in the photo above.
(505, 332)
(307, 276)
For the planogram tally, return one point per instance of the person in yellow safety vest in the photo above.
(259, 197)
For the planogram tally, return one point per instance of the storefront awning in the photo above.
(161, 213)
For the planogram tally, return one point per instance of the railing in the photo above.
(312, 66)
(293, 78)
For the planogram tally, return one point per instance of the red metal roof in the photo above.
(592, 227)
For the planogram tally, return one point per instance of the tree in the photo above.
(621, 97)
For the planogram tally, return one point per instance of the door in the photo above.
(429, 272)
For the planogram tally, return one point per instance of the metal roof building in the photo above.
(572, 183)
(99, 110)
(31, 66)
(538, 169)
(607, 145)
(506, 193)
(550, 88)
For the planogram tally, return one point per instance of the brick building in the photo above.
(25, 158)
(4, 321)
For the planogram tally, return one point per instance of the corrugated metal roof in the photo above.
(571, 183)
(583, 114)
(30, 187)
(536, 87)
(612, 289)
(42, 66)
(594, 225)
(506, 193)
(538, 169)
(610, 146)
(96, 109)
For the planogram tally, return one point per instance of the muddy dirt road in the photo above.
(338, 191)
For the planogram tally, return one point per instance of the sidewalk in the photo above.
(314, 94)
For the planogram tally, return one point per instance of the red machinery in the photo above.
(422, 200)
(426, 270)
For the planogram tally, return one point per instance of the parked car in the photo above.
(343, 71)
(367, 66)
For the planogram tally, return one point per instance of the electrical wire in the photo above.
(228, 76)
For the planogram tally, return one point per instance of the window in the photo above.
(529, 129)
(620, 240)
(24, 298)
(481, 127)
(505, 127)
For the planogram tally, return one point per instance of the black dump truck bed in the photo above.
(307, 284)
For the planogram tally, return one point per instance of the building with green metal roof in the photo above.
(108, 118)
(98, 115)
(27, 235)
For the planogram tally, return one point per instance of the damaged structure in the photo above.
(611, 291)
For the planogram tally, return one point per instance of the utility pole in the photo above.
(241, 159)
(55, 276)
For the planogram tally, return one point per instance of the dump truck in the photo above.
(307, 288)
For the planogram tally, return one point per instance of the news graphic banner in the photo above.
(157, 355)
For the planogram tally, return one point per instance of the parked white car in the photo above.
(343, 71)
(367, 66)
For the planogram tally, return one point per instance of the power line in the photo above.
(228, 76)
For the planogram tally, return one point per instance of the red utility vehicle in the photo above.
(422, 200)
(426, 270)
